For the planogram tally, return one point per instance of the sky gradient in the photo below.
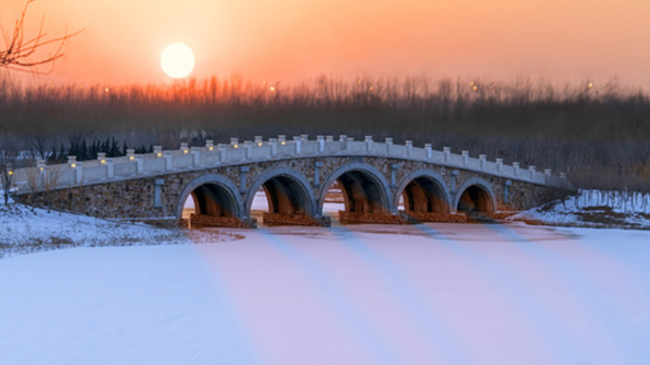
(294, 40)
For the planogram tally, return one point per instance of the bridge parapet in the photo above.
(161, 162)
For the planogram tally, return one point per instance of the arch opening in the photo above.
(424, 195)
(476, 202)
(357, 195)
(210, 204)
(282, 199)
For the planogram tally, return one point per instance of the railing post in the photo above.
(389, 145)
(110, 168)
(369, 143)
(465, 156)
(532, 172)
(481, 159)
(304, 137)
(139, 164)
(446, 152)
(222, 148)
(101, 157)
(321, 143)
(258, 141)
(515, 167)
(130, 154)
(428, 150)
(79, 172)
(298, 141)
(40, 166)
(196, 156)
(168, 160)
(157, 150)
(234, 142)
(343, 138)
(274, 146)
(409, 148)
(499, 164)
(209, 145)
(282, 139)
(249, 150)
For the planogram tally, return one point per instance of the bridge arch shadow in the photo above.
(475, 198)
(215, 197)
(289, 197)
(424, 192)
(365, 193)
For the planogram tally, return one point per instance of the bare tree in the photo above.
(20, 50)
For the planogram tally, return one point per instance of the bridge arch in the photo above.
(475, 195)
(287, 192)
(364, 188)
(213, 195)
(424, 191)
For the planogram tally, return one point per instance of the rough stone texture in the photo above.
(359, 218)
(134, 199)
(417, 217)
(275, 219)
(211, 221)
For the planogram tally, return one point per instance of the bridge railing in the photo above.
(76, 173)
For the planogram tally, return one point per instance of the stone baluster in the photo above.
(481, 159)
(222, 148)
(72, 160)
(157, 150)
(321, 143)
(369, 144)
(515, 167)
(101, 157)
(234, 142)
(465, 156)
(298, 141)
(274, 146)
(428, 149)
(168, 160)
(343, 139)
(499, 164)
(258, 141)
(130, 154)
(249, 150)
(196, 156)
(409, 148)
(304, 137)
(329, 138)
(282, 139)
(139, 164)
(209, 145)
(110, 168)
(389, 145)
(532, 171)
(446, 151)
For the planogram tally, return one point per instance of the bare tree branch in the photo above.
(19, 52)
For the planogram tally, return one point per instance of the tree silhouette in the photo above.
(19, 53)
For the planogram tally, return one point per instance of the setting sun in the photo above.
(177, 60)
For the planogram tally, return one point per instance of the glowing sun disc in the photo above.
(177, 60)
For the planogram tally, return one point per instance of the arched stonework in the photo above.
(424, 191)
(476, 195)
(213, 195)
(365, 189)
(287, 191)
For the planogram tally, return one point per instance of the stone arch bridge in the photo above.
(295, 175)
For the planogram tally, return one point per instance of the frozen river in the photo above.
(426, 294)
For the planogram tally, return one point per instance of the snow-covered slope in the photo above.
(24, 229)
(593, 208)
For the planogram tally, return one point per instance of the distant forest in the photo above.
(598, 133)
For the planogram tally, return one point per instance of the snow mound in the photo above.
(24, 230)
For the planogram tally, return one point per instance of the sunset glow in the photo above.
(293, 41)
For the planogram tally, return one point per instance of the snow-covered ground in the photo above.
(362, 294)
(594, 208)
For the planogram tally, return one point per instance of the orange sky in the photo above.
(293, 40)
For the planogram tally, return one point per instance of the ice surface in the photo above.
(366, 294)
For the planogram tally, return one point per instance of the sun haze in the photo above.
(288, 40)
(177, 60)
